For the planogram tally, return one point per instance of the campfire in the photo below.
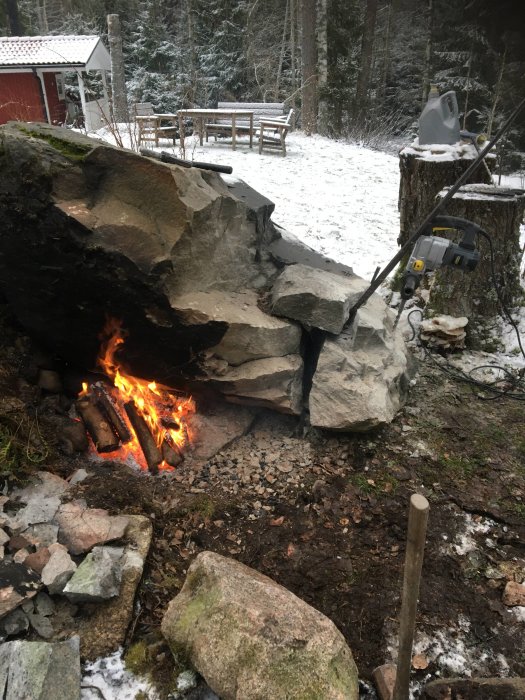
(126, 416)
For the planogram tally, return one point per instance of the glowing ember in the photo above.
(163, 410)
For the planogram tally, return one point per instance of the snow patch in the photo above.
(107, 677)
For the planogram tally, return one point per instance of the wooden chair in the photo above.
(149, 124)
(272, 132)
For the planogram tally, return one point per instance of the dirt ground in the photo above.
(325, 514)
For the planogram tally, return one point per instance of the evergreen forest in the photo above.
(351, 68)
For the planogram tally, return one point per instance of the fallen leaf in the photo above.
(419, 661)
(290, 551)
(276, 522)
(344, 521)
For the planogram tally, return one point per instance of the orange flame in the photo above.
(163, 410)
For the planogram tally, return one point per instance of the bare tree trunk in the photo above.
(193, 57)
(309, 66)
(13, 18)
(293, 52)
(282, 51)
(428, 54)
(367, 51)
(386, 49)
(322, 64)
(118, 80)
(497, 93)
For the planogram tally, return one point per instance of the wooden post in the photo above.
(417, 527)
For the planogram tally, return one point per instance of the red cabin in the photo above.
(32, 72)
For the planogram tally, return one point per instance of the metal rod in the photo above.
(379, 279)
(417, 528)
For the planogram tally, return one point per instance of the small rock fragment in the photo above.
(15, 623)
(58, 570)
(514, 594)
(98, 577)
(37, 560)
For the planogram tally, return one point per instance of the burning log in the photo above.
(96, 424)
(171, 452)
(147, 443)
(109, 409)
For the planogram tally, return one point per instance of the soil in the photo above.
(325, 514)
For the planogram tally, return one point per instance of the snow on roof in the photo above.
(73, 50)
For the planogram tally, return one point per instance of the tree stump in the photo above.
(499, 212)
(425, 171)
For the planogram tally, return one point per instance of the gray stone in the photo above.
(43, 534)
(41, 625)
(4, 537)
(49, 380)
(44, 605)
(40, 670)
(273, 382)
(39, 510)
(78, 477)
(98, 577)
(362, 376)
(16, 622)
(81, 528)
(251, 333)
(43, 485)
(58, 570)
(251, 638)
(475, 689)
(316, 298)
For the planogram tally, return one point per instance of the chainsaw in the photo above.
(432, 252)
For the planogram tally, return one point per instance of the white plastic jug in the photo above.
(439, 120)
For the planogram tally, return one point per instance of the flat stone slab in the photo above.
(81, 528)
(40, 670)
(316, 298)
(251, 335)
(274, 382)
(58, 570)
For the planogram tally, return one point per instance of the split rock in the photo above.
(81, 528)
(362, 376)
(251, 638)
(274, 382)
(316, 298)
(40, 670)
(251, 333)
(97, 577)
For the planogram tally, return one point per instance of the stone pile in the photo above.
(214, 296)
(56, 557)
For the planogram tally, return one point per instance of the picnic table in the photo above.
(202, 116)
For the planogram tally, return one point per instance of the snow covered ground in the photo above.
(339, 198)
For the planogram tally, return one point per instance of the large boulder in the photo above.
(90, 230)
(252, 639)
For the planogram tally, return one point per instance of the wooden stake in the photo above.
(97, 426)
(147, 443)
(417, 527)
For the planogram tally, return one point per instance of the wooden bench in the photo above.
(149, 124)
(261, 110)
(272, 132)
